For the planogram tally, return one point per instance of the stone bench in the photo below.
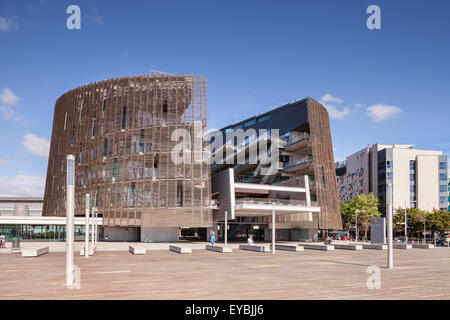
(375, 246)
(34, 252)
(287, 247)
(218, 248)
(91, 250)
(324, 247)
(180, 249)
(348, 246)
(252, 248)
(137, 249)
(402, 246)
(423, 246)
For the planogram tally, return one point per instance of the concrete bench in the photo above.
(312, 246)
(402, 246)
(34, 252)
(288, 247)
(137, 249)
(374, 246)
(252, 248)
(218, 248)
(180, 249)
(423, 246)
(91, 250)
(348, 246)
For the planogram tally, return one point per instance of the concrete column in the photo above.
(273, 229)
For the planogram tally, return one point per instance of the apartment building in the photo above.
(419, 177)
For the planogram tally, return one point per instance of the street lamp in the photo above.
(356, 224)
(70, 199)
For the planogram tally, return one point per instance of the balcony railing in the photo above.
(277, 202)
(307, 159)
(298, 138)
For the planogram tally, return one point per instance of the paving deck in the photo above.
(340, 274)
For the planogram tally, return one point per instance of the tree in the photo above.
(421, 218)
(439, 222)
(366, 206)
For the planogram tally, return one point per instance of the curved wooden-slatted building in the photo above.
(120, 133)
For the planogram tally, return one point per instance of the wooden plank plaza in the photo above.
(115, 273)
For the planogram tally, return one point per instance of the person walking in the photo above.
(213, 238)
(250, 241)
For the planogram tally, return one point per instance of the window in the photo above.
(443, 177)
(412, 177)
(266, 117)
(165, 106)
(105, 147)
(412, 188)
(142, 141)
(124, 117)
(412, 204)
(388, 164)
(389, 175)
(249, 123)
(443, 200)
(412, 165)
(239, 126)
(228, 130)
(442, 165)
(443, 188)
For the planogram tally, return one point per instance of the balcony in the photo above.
(303, 164)
(264, 206)
(298, 141)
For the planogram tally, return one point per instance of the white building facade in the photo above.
(418, 177)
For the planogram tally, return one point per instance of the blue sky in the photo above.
(388, 86)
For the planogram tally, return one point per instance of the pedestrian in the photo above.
(2, 241)
(250, 241)
(213, 238)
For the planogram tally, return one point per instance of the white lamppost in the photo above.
(86, 227)
(273, 228)
(390, 252)
(70, 200)
(93, 228)
(226, 228)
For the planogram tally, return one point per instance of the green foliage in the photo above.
(419, 221)
(365, 207)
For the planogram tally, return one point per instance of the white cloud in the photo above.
(329, 98)
(38, 146)
(8, 97)
(22, 185)
(358, 105)
(7, 24)
(381, 112)
(9, 114)
(333, 111)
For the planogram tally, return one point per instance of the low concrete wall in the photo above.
(137, 250)
(180, 249)
(252, 248)
(34, 252)
(423, 246)
(374, 246)
(324, 247)
(402, 246)
(218, 248)
(287, 247)
(348, 246)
